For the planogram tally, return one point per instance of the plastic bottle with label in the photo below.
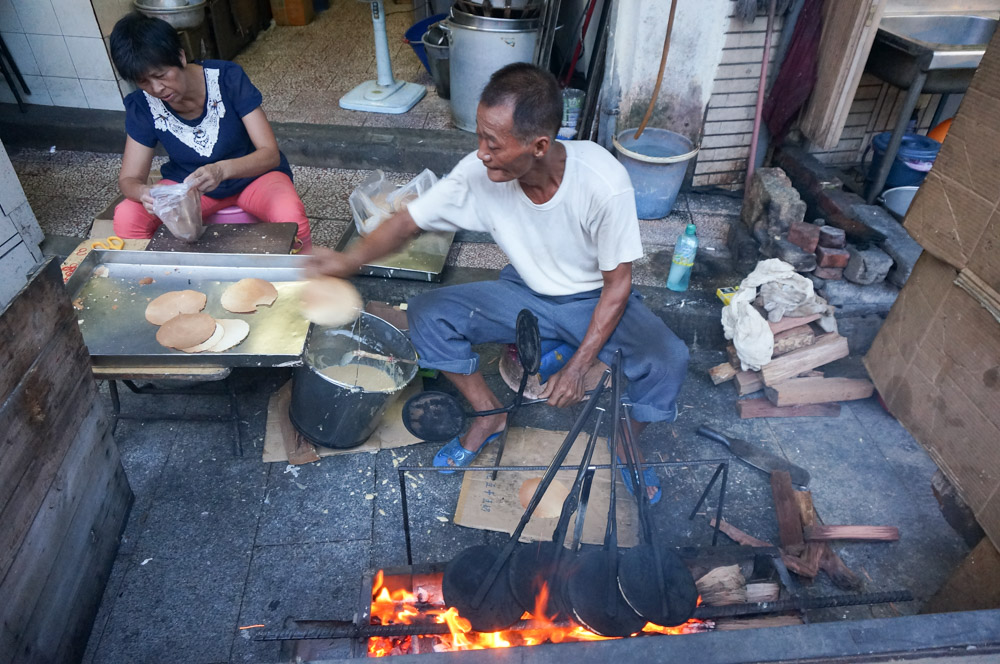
(683, 260)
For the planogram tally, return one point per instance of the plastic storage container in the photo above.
(915, 157)
(683, 260)
(414, 37)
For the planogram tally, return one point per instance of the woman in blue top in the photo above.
(208, 118)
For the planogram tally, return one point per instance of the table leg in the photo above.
(874, 186)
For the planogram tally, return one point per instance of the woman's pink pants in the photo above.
(271, 197)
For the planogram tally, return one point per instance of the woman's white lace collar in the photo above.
(202, 137)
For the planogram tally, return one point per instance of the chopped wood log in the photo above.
(734, 357)
(802, 391)
(839, 573)
(856, 533)
(786, 509)
(749, 409)
(827, 348)
(788, 322)
(732, 624)
(812, 373)
(722, 586)
(748, 382)
(791, 562)
(722, 373)
(762, 592)
(793, 339)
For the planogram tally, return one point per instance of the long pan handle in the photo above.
(572, 500)
(522, 402)
(543, 485)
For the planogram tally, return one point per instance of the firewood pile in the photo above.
(792, 382)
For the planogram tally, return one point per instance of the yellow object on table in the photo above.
(74, 259)
(113, 242)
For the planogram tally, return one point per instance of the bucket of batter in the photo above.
(339, 395)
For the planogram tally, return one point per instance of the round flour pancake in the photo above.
(186, 330)
(208, 343)
(246, 295)
(168, 305)
(235, 331)
(552, 501)
(330, 301)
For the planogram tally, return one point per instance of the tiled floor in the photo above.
(303, 72)
(68, 189)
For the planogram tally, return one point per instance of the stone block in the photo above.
(837, 207)
(867, 265)
(798, 258)
(833, 237)
(831, 273)
(804, 235)
(894, 241)
(772, 197)
(817, 281)
(856, 300)
(829, 257)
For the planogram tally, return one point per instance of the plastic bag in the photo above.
(375, 199)
(179, 208)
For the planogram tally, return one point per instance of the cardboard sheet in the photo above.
(390, 433)
(494, 504)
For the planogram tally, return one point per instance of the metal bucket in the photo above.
(479, 46)
(339, 415)
(897, 200)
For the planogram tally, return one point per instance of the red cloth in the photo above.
(797, 76)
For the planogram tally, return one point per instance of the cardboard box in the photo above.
(954, 215)
(936, 363)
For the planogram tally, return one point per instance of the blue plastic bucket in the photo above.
(414, 36)
(656, 163)
(915, 157)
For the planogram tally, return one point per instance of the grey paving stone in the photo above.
(867, 265)
(855, 300)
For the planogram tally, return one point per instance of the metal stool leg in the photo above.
(13, 65)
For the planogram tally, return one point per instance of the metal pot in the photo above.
(182, 18)
(479, 46)
(897, 200)
(338, 415)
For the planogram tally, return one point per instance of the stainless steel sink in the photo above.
(948, 48)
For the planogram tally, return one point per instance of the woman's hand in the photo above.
(330, 263)
(146, 198)
(206, 178)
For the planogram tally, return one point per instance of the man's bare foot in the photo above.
(650, 490)
(482, 428)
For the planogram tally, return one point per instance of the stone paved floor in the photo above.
(302, 72)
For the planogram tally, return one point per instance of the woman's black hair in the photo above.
(140, 44)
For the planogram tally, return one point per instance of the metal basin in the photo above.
(947, 47)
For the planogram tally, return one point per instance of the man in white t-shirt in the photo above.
(564, 213)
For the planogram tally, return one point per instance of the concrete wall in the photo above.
(20, 233)
(57, 45)
(695, 53)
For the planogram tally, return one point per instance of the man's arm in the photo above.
(390, 235)
(566, 387)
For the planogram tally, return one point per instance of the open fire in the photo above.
(423, 605)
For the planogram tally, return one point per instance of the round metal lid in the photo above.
(493, 24)
(462, 578)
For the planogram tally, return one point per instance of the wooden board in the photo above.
(849, 28)
(792, 339)
(749, 409)
(827, 348)
(28, 323)
(262, 238)
(786, 510)
(791, 562)
(799, 391)
(788, 322)
(748, 382)
(820, 555)
(856, 533)
(722, 373)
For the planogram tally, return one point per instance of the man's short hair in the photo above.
(534, 95)
(141, 44)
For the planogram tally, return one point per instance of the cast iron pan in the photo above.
(592, 591)
(541, 562)
(654, 580)
(470, 581)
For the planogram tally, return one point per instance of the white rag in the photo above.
(784, 292)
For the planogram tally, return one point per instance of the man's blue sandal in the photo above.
(650, 477)
(453, 455)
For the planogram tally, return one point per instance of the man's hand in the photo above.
(206, 178)
(565, 387)
(331, 263)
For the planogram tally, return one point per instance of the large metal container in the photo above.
(479, 46)
(334, 414)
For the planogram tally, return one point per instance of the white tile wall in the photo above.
(57, 45)
(52, 55)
